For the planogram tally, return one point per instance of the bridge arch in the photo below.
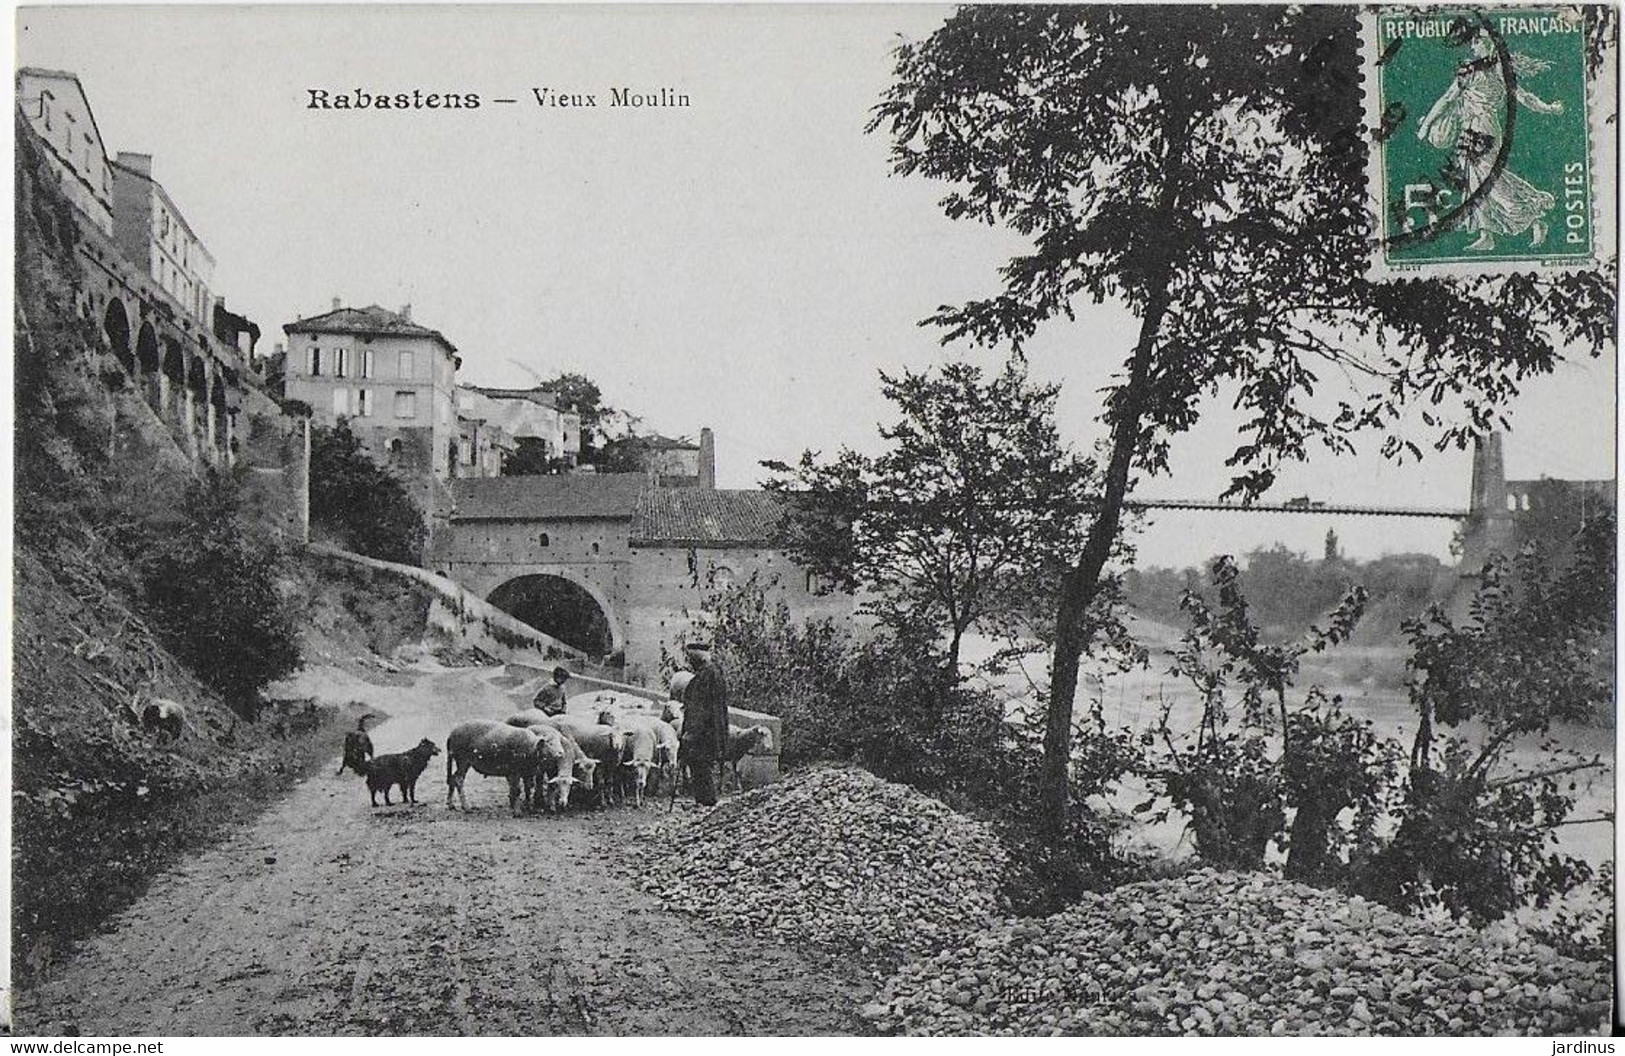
(556, 600)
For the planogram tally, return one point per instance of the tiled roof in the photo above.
(369, 320)
(705, 517)
(602, 496)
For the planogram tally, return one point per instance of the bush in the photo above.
(359, 502)
(888, 704)
(213, 593)
(1475, 836)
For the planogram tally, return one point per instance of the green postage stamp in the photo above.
(1485, 155)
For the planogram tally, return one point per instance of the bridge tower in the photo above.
(1488, 527)
(1489, 524)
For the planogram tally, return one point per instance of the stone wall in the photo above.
(591, 553)
(668, 584)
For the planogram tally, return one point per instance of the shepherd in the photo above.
(705, 721)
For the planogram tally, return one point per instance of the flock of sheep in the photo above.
(602, 759)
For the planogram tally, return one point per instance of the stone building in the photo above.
(55, 106)
(645, 556)
(525, 415)
(392, 379)
(682, 462)
(154, 235)
(394, 382)
(482, 447)
(190, 373)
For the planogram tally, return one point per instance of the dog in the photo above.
(384, 772)
(357, 748)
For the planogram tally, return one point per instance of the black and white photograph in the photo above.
(813, 520)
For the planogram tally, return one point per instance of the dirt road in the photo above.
(329, 917)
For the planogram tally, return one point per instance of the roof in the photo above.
(656, 442)
(572, 496)
(706, 517)
(536, 395)
(371, 320)
(521, 416)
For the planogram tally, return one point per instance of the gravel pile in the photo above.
(834, 857)
(1240, 954)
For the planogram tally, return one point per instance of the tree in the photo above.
(532, 458)
(213, 593)
(352, 496)
(1205, 168)
(579, 395)
(1472, 836)
(624, 454)
(974, 485)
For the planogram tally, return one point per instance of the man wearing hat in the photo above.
(550, 698)
(705, 720)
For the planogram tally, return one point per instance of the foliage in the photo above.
(886, 703)
(352, 496)
(974, 486)
(1585, 931)
(1237, 782)
(531, 458)
(1472, 837)
(213, 593)
(1287, 592)
(624, 454)
(1204, 166)
(580, 395)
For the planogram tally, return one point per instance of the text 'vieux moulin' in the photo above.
(418, 99)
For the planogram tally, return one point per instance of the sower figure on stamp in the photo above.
(550, 698)
(705, 721)
(1467, 120)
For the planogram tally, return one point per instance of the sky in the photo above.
(747, 263)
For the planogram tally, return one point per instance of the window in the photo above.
(341, 401)
(466, 450)
(366, 363)
(341, 362)
(406, 363)
(363, 403)
(313, 361)
(543, 540)
(406, 405)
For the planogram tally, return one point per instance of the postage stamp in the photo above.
(1484, 141)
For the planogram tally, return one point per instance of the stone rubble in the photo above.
(1240, 954)
(833, 857)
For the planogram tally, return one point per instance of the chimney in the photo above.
(337, 303)
(708, 458)
(406, 312)
(141, 163)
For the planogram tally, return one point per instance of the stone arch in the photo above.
(557, 601)
(197, 387)
(174, 376)
(116, 326)
(218, 413)
(147, 359)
